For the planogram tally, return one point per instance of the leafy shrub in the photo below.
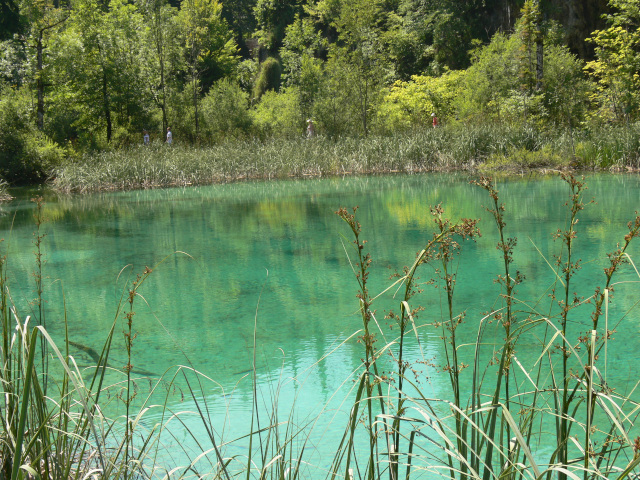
(410, 104)
(522, 158)
(225, 111)
(181, 116)
(246, 72)
(26, 154)
(268, 77)
(279, 113)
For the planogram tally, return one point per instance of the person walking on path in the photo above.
(169, 136)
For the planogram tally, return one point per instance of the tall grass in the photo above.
(452, 147)
(500, 418)
(487, 430)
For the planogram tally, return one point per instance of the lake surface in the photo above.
(270, 261)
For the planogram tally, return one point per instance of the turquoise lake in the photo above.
(269, 262)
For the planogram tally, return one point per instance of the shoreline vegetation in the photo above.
(511, 85)
(494, 423)
(484, 149)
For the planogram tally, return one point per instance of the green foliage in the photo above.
(491, 77)
(410, 104)
(528, 30)
(26, 154)
(225, 111)
(521, 159)
(239, 17)
(246, 72)
(98, 67)
(451, 40)
(99, 73)
(617, 66)
(278, 113)
(209, 48)
(272, 17)
(302, 44)
(182, 115)
(268, 77)
(13, 66)
(502, 82)
(301, 66)
(336, 108)
(357, 61)
(566, 90)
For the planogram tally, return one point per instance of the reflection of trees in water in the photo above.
(233, 234)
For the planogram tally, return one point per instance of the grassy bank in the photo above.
(559, 416)
(484, 147)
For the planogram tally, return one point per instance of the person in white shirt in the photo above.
(169, 136)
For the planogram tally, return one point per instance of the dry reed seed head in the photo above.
(636, 447)
(468, 228)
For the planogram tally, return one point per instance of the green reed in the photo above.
(494, 430)
(489, 432)
(489, 147)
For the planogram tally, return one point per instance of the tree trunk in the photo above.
(39, 68)
(39, 82)
(195, 103)
(164, 96)
(105, 100)
(539, 63)
(539, 50)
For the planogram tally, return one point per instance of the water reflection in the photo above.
(227, 255)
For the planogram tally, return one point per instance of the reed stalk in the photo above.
(38, 239)
(487, 433)
(368, 339)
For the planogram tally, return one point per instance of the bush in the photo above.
(279, 113)
(225, 111)
(26, 154)
(268, 77)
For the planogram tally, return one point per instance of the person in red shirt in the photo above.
(435, 120)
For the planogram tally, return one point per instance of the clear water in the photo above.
(270, 259)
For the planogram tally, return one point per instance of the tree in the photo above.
(210, 52)
(617, 64)
(529, 29)
(99, 61)
(268, 77)
(163, 54)
(42, 17)
(272, 18)
(278, 113)
(226, 110)
(358, 59)
(239, 15)
(410, 104)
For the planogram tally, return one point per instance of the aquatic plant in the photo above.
(490, 147)
(494, 422)
(487, 431)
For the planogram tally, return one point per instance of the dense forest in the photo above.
(80, 76)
